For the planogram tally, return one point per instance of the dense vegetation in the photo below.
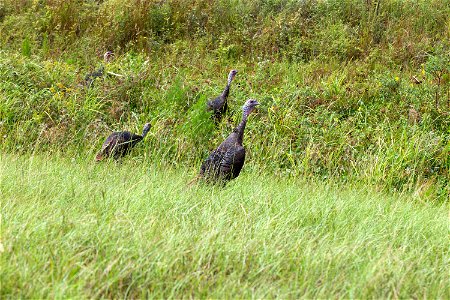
(338, 83)
(74, 229)
(345, 190)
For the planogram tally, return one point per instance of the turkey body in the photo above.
(226, 161)
(94, 75)
(219, 105)
(118, 144)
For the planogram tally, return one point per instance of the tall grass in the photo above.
(337, 81)
(72, 228)
(299, 30)
(353, 93)
(327, 124)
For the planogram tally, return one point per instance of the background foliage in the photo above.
(350, 90)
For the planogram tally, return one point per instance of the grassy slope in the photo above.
(335, 79)
(327, 125)
(74, 228)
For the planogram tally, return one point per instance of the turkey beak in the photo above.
(255, 106)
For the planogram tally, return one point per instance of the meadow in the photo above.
(346, 186)
(349, 90)
(71, 228)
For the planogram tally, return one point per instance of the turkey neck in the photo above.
(144, 133)
(226, 91)
(239, 130)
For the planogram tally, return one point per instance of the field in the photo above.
(71, 228)
(346, 185)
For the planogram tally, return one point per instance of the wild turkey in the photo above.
(225, 163)
(118, 144)
(89, 78)
(92, 76)
(219, 105)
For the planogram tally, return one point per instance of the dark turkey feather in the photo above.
(219, 105)
(226, 162)
(118, 144)
(94, 75)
